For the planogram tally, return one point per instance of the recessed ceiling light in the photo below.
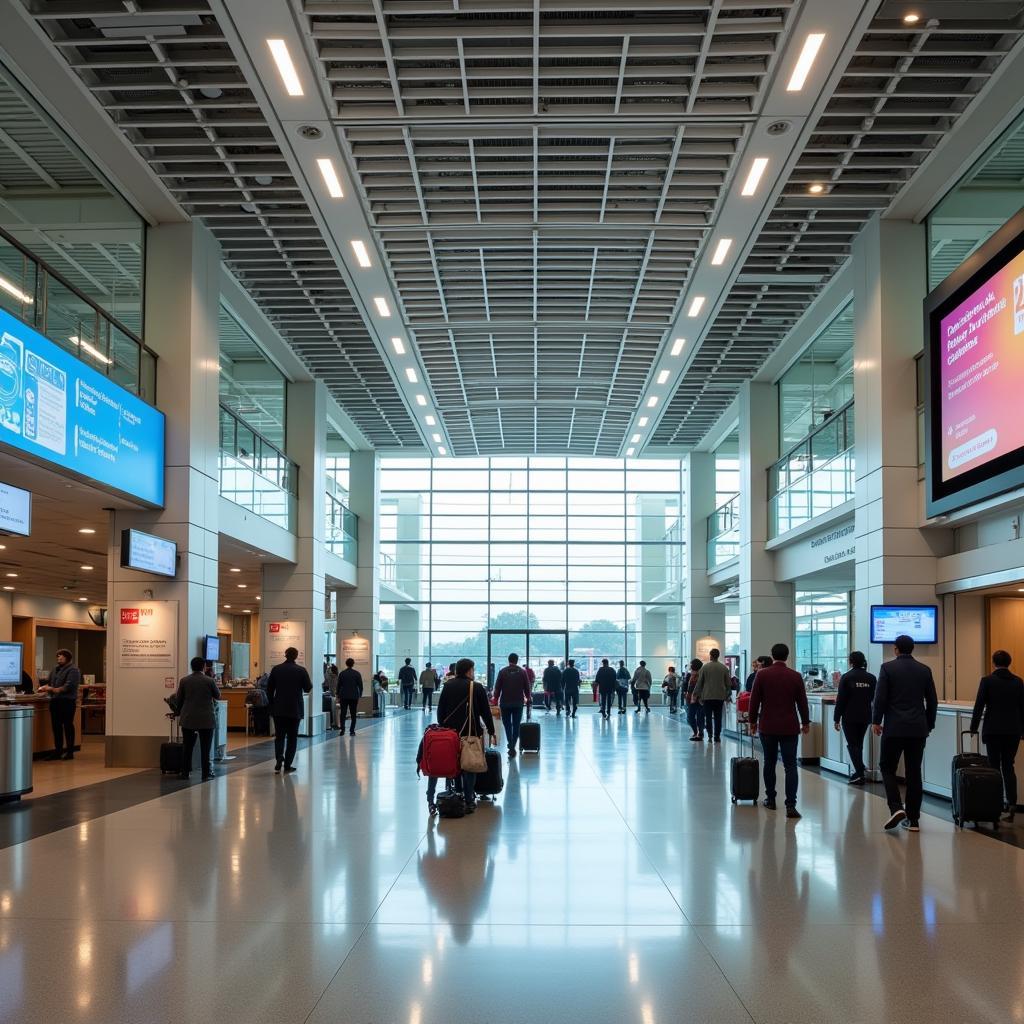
(83, 599)
(247, 611)
(635, 439)
(630, 452)
(3, 547)
(362, 256)
(410, 375)
(677, 346)
(441, 450)
(382, 305)
(285, 67)
(721, 251)
(330, 176)
(227, 606)
(696, 306)
(85, 568)
(663, 376)
(437, 437)
(243, 586)
(816, 189)
(11, 575)
(86, 529)
(12, 289)
(911, 19)
(652, 401)
(430, 421)
(258, 598)
(421, 399)
(8, 588)
(812, 44)
(396, 344)
(233, 569)
(642, 422)
(757, 169)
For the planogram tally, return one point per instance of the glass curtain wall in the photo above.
(591, 547)
(822, 632)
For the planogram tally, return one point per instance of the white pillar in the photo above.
(701, 615)
(182, 297)
(766, 606)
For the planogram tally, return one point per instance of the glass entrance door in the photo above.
(535, 647)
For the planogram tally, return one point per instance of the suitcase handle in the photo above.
(967, 732)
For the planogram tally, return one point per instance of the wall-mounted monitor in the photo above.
(974, 358)
(918, 621)
(147, 553)
(10, 664)
(15, 510)
(211, 648)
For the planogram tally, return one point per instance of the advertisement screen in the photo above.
(57, 408)
(918, 621)
(982, 373)
(146, 553)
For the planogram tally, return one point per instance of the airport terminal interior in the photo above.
(590, 342)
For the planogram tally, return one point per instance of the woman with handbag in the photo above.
(464, 707)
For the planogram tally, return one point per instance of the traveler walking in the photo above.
(670, 685)
(607, 683)
(553, 686)
(62, 689)
(694, 712)
(641, 682)
(428, 683)
(903, 715)
(622, 686)
(853, 711)
(463, 707)
(760, 662)
(1001, 700)
(407, 681)
(285, 687)
(350, 689)
(778, 710)
(512, 691)
(197, 717)
(571, 687)
(713, 690)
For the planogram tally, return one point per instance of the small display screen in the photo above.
(10, 664)
(211, 648)
(918, 621)
(146, 553)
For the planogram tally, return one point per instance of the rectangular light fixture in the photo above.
(812, 44)
(362, 256)
(396, 344)
(696, 306)
(631, 452)
(382, 305)
(721, 251)
(642, 422)
(285, 67)
(94, 352)
(410, 375)
(754, 175)
(652, 401)
(437, 437)
(430, 421)
(663, 376)
(635, 439)
(330, 176)
(12, 289)
(677, 346)
(421, 399)
(441, 450)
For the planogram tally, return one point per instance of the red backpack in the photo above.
(441, 749)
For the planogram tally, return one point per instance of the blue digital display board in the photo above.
(58, 409)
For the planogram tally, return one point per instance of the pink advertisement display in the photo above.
(982, 373)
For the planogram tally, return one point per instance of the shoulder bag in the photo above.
(471, 754)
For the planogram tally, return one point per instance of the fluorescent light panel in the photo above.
(94, 352)
(398, 346)
(410, 375)
(677, 346)
(754, 175)
(362, 256)
(430, 421)
(441, 450)
(642, 422)
(382, 305)
(437, 437)
(812, 44)
(696, 306)
(12, 289)
(663, 376)
(285, 67)
(652, 401)
(721, 251)
(631, 451)
(330, 176)
(635, 439)
(421, 399)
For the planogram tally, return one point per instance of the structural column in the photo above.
(156, 625)
(702, 617)
(766, 606)
(896, 560)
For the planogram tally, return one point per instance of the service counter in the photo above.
(42, 731)
(234, 697)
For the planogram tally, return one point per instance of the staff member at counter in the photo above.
(853, 711)
(1001, 698)
(62, 690)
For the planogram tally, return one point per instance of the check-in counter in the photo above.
(811, 743)
(235, 697)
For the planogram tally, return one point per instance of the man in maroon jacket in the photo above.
(776, 701)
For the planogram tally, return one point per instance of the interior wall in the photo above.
(1006, 629)
(964, 622)
(52, 608)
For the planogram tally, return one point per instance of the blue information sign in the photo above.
(57, 408)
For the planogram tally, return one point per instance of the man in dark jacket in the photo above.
(776, 701)
(198, 717)
(571, 688)
(512, 691)
(407, 680)
(553, 684)
(62, 690)
(906, 703)
(853, 711)
(456, 711)
(285, 687)
(350, 689)
(607, 685)
(1001, 698)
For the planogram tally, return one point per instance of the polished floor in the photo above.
(612, 882)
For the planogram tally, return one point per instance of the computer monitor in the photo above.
(10, 663)
(211, 648)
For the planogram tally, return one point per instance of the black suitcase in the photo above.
(491, 782)
(172, 753)
(977, 789)
(745, 776)
(529, 738)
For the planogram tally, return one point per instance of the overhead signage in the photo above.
(15, 510)
(833, 548)
(58, 409)
(147, 553)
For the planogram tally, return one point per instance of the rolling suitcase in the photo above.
(977, 789)
(529, 738)
(491, 782)
(172, 754)
(745, 776)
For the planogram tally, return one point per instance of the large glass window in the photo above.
(591, 547)
(822, 633)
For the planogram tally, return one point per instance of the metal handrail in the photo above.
(807, 441)
(293, 469)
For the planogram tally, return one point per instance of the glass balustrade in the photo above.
(724, 533)
(341, 533)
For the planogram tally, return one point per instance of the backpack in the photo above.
(441, 749)
(450, 805)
